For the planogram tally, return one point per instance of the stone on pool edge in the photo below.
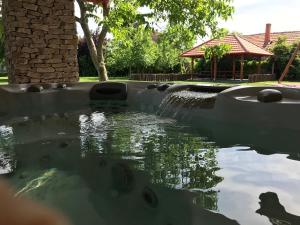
(269, 95)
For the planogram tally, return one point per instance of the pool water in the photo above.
(122, 167)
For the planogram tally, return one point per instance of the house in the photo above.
(255, 46)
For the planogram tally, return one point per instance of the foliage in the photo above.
(217, 51)
(146, 51)
(135, 52)
(197, 17)
(86, 67)
(2, 49)
(171, 43)
(282, 53)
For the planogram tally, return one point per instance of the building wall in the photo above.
(41, 41)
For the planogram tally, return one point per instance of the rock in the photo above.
(34, 88)
(61, 86)
(269, 95)
(109, 91)
(208, 89)
(163, 87)
(151, 86)
(179, 87)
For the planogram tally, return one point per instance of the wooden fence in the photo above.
(161, 77)
(260, 77)
(205, 74)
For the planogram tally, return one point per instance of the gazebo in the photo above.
(240, 49)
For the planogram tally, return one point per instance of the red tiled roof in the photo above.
(259, 39)
(239, 46)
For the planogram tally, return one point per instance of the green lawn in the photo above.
(4, 80)
(204, 82)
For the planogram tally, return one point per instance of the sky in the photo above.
(251, 16)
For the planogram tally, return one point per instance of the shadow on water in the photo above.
(271, 207)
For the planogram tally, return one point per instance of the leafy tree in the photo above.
(171, 43)
(282, 53)
(215, 53)
(86, 66)
(196, 16)
(135, 52)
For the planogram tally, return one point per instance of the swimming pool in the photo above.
(116, 162)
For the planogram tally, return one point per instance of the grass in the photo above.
(4, 80)
(203, 82)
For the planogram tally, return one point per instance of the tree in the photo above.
(136, 51)
(282, 53)
(215, 53)
(171, 43)
(197, 16)
(86, 66)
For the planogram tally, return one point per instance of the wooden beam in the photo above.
(259, 66)
(233, 69)
(287, 68)
(211, 69)
(193, 64)
(193, 67)
(242, 68)
(215, 68)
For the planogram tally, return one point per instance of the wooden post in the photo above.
(259, 66)
(286, 70)
(193, 67)
(215, 68)
(273, 68)
(233, 69)
(211, 69)
(242, 68)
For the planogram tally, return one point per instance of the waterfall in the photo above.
(178, 102)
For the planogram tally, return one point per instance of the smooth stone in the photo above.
(35, 88)
(269, 95)
(152, 86)
(61, 86)
(163, 87)
(109, 91)
(178, 88)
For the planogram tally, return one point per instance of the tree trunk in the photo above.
(101, 41)
(96, 52)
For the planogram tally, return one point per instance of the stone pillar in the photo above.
(40, 41)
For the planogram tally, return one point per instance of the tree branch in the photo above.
(87, 33)
(78, 20)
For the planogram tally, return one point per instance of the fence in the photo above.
(161, 77)
(204, 74)
(260, 77)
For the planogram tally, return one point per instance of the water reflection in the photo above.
(271, 207)
(7, 162)
(171, 156)
(107, 159)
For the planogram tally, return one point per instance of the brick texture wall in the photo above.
(41, 41)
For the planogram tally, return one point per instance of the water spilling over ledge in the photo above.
(189, 99)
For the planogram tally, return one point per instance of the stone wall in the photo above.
(41, 41)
